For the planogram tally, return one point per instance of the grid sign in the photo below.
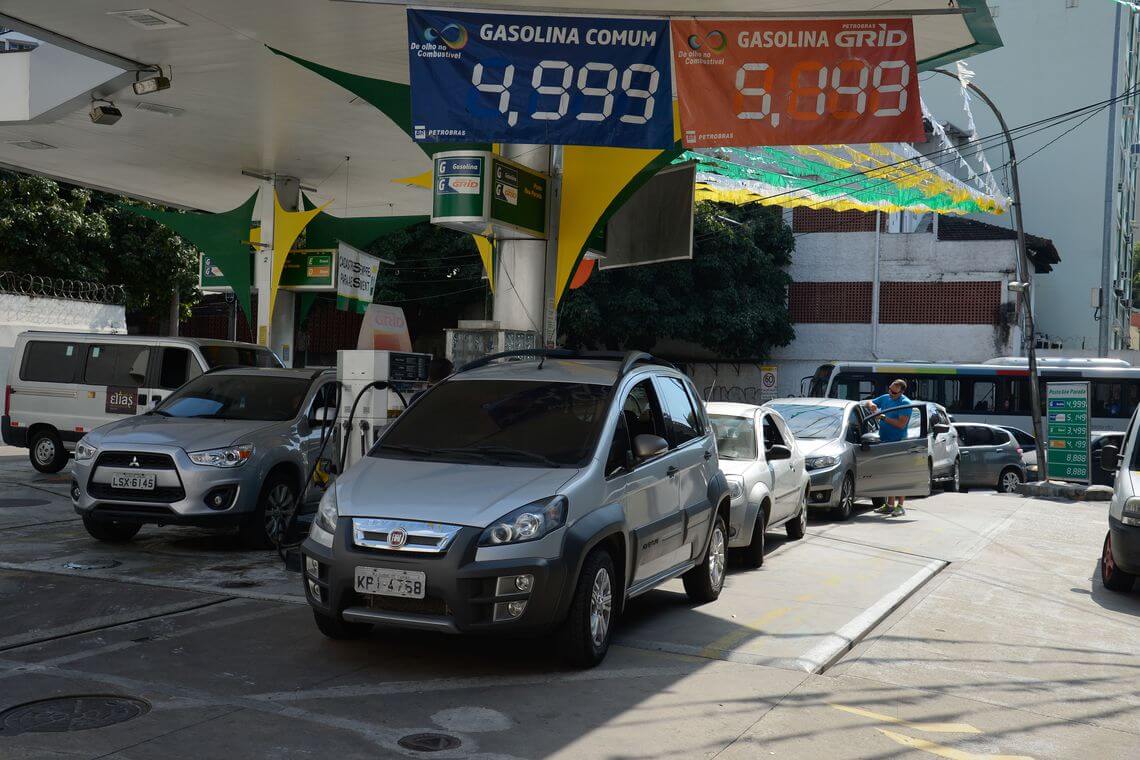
(1067, 427)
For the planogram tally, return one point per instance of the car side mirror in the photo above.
(322, 415)
(778, 452)
(647, 446)
(866, 440)
(1110, 458)
(940, 428)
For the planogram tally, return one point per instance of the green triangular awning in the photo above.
(325, 229)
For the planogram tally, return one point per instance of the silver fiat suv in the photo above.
(525, 493)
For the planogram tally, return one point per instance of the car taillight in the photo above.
(7, 399)
(1019, 450)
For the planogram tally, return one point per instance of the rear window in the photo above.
(239, 356)
(735, 436)
(51, 361)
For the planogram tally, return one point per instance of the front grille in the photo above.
(425, 537)
(139, 509)
(167, 494)
(127, 459)
(426, 606)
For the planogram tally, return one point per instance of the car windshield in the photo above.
(239, 356)
(810, 421)
(506, 422)
(735, 436)
(237, 397)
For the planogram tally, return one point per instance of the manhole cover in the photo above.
(23, 502)
(92, 564)
(77, 713)
(429, 742)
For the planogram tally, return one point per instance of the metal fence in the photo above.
(56, 287)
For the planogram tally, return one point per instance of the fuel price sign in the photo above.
(796, 82)
(1067, 424)
(548, 80)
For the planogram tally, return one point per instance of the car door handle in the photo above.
(672, 471)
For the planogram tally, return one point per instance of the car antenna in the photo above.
(541, 361)
(712, 387)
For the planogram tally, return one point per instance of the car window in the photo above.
(120, 364)
(974, 435)
(735, 436)
(999, 437)
(620, 447)
(237, 397)
(683, 423)
(854, 422)
(326, 396)
(1023, 438)
(642, 412)
(771, 433)
(176, 366)
(49, 361)
(811, 421)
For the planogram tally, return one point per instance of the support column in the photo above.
(274, 330)
(520, 276)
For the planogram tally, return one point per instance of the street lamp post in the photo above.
(1024, 295)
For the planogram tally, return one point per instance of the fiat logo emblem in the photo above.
(397, 538)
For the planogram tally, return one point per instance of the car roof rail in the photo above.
(629, 359)
(221, 367)
(538, 353)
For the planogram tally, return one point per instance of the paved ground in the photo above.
(1002, 645)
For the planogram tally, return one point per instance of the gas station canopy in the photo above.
(234, 107)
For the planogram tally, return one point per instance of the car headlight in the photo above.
(327, 513)
(84, 451)
(735, 487)
(528, 523)
(231, 456)
(818, 463)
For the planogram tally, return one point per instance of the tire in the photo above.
(337, 629)
(956, 478)
(261, 530)
(1009, 480)
(110, 531)
(754, 553)
(797, 526)
(1113, 578)
(705, 581)
(584, 637)
(46, 451)
(846, 506)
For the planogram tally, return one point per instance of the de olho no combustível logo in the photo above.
(453, 35)
(715, 40)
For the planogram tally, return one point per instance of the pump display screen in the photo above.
(796, 82)
(546, 80)
(408, 368)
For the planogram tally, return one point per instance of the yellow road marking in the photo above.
(947, 752)
(933, 728)
(729, 641)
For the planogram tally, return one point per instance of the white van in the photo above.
(63, 385)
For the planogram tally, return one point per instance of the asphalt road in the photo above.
(975, 627)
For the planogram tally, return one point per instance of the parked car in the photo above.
(1028, 446)
(844, 457)
(63, 385)
(766, 475)
(525, 495)
(945, 459)
(231, 447)
(1097, 441)
(991, 457)
(1120, 554)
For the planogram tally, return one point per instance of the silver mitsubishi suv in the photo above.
(529, 491)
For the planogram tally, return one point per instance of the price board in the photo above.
(485, 194)
(1067, 427)
(796, 81)
(546, 80)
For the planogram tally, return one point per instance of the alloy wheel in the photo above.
(847, 497)
(1009, 482)
(277, 507)
(957, 478)
(716, 558)
(803, 513)
(601, 605)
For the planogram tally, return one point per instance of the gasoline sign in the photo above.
(1067, 407)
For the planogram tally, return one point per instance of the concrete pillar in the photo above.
(520, 278)
(274, 330)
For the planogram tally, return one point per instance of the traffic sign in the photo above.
(1067, 455)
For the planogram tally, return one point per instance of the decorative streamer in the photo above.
(965, 76)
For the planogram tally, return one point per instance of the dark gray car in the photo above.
(991, 458)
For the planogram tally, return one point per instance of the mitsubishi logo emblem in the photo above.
(397, 538)
(135, 462)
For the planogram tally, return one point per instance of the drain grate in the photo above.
(23, 503)
(92, 564)
(429, 742)
(78, 713)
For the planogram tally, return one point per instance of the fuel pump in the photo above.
(402, 373)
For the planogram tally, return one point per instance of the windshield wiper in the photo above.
(508, 451)
(160, 413)
(419, 450)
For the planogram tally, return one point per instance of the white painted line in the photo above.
(835, 645)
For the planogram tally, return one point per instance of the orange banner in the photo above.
(796, 82)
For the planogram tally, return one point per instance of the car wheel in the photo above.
(585, 636)
(797, 526)
(46, 451)
(1009, 481)
(1113, 578)
(754, 552)
(846, 505)
(705, 581)
(338, 629)
(956, 478)
(110, 531)
(264, 528)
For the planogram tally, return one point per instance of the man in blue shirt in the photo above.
(892, 427)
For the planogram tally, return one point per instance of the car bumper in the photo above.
(461, 592)
(180, 498)
(826, 485)
(13, 436)
(1125, 545)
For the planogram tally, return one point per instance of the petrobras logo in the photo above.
(452, 35)
(420, 132)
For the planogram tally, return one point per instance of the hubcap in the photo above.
(845, 497)
(277, 508)
(716, 558)
(45, 451)
(1011, 482)
(601, 602)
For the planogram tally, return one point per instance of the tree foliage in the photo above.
(55, 230)
(731, 299)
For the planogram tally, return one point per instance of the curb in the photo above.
(1070, 491)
